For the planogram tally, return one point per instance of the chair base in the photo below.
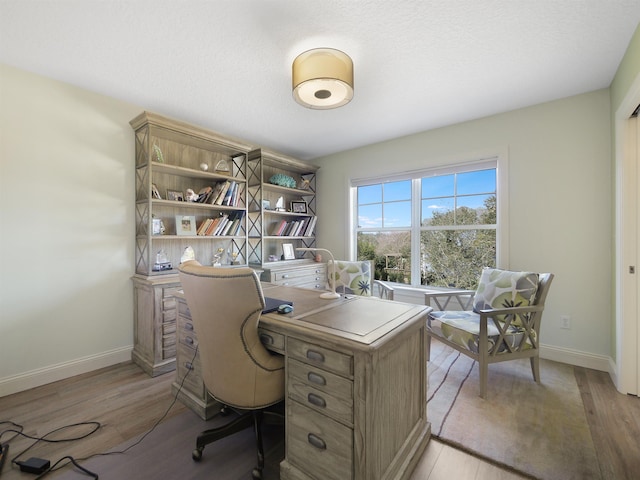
(272, 414)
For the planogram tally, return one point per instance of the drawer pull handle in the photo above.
(189, 365)
(189, 340)
(266, 339)
(318, 271)
(316, 400)
(286, 275)
(315, 356)
(316, 441)
(188, 326)
(317, 379)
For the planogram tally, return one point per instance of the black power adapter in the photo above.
(34, 465)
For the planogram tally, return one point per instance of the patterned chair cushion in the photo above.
(503, 289)
(352, 277)
(463, 329)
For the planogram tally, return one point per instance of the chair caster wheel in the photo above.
(197, 454)
(224, 411)
(256, 474)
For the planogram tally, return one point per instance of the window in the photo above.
(436, 228)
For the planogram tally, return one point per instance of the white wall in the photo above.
(559, 157)
(66, 230)
(67, 218)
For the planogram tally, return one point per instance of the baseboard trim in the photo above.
(60, 371)
(575, 357)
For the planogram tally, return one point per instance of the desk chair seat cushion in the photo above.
(463, 329)
(352, 277)
(504, 289)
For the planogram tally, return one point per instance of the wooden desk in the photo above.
(355, 384)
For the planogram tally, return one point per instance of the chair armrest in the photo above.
(385, 290)
(442, 299)
(490, 312)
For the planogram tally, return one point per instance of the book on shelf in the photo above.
(203, 226)
(228, 196)
(223, 192)
(224, 219)
(310, 227)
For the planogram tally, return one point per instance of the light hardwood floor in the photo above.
(127, 403)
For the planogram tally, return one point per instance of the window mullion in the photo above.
(416, 221)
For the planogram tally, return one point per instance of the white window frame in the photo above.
(499, 161)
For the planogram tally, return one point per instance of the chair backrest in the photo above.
(353, 278)
(225, 306)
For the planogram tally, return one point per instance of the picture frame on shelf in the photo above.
(175, 196)
(155, 193)
(185, 225)
(288, 252)
(158, 226)
(299, 207)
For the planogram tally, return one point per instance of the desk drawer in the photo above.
(317, 445)
(320, 390)
(186, 363)
(321, 357)
(271, 340)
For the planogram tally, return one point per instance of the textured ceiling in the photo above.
(226, 64)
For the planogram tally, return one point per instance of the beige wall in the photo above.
(66, 220)
(559, 156)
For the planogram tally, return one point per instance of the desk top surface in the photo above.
(363, 320)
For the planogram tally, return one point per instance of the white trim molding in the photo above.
(575, 357)
(60, 371)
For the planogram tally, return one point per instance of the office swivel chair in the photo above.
(237, 370)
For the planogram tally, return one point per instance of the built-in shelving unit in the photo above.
(172, 159)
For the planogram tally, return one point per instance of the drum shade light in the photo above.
(322, 78)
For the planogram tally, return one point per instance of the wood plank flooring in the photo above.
(127, 403)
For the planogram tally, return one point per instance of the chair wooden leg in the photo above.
(535, 368)
(427, 346)
(484, 373)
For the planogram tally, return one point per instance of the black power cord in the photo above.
(43, 467)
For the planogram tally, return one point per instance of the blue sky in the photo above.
(438, 194)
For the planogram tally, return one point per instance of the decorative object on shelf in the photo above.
(266, 205)
(162, 262)
(204, 166)
(299, 207)
(188, 254)
(185, 225)
(282, 180)
(280, 205)
(223, 167)
(190, 195)
(154, 192)
(305, 184)
(287, 251)
(158, 226)
(322, 78)
(234, 258)
(332, 294)
(158, 153)
(317, 258)
(273, 258)
(217, 257)
(175, 196)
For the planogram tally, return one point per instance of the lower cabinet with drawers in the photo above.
(154, 323)
(307, 275)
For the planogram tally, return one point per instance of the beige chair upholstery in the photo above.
(237, 370)
(499, 321)
(356, 278)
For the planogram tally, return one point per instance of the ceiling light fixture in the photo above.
(322, 78)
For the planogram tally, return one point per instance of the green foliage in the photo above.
(449, 257)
